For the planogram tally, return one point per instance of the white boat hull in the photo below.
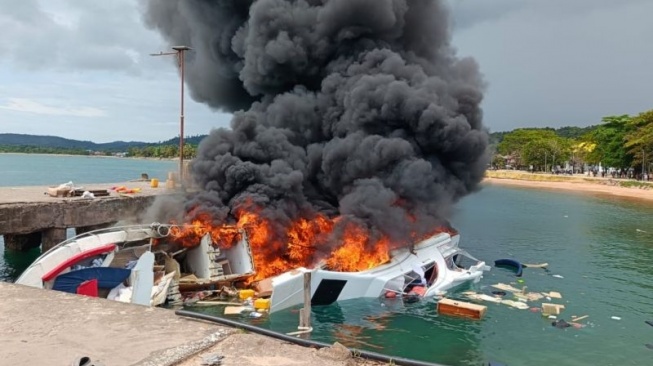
(404, 266)
(33, 275)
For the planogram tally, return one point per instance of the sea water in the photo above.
(599, 251)
(52, 170)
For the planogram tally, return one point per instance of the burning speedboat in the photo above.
(139, 264)
(147, 265)
(428, 268)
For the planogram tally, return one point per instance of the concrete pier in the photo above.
(44, 327)
(29, 217)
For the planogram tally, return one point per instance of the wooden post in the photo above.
(305, 313)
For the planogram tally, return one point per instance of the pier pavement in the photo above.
(38, 194)
(42, 327)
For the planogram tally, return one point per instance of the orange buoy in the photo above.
(390, 294)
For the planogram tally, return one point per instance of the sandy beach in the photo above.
(605, 187)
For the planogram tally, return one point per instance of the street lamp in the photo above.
(179, 52)
(643, 163)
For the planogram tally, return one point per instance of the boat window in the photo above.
(450, 262)
(432, 274)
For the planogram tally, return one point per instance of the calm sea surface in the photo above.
(602, 247)
(35, 170)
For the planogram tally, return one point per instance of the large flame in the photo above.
(342, 244)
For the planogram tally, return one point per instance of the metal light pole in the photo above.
(179, 52)
(643, 163)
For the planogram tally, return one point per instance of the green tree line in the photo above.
(163, 151)
(26, 149)
(619, 142)
(150, 151)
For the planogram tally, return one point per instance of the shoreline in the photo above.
(576, 186)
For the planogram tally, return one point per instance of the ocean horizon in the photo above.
(51, 169)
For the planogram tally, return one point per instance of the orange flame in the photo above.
(353, 255)
(277, 248)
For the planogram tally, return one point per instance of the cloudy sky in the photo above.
(81, 69)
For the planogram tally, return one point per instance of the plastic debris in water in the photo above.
(560, 324)
(557, 276)
(649, 322)
(615, 318)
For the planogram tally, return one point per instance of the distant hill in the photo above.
(12, 139)
(193, 140)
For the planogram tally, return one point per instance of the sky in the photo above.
(82, 69)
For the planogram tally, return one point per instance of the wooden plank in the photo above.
(233, 310)
(552, 309)
(461, 309)
(211, 302)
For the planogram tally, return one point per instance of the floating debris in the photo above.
(553, 294)
(560, 324)
(515, 304)
(510, 263)
(551, 309)
(505, 287)
(461, 309)
(576, 319)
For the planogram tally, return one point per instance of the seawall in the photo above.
(30, 217)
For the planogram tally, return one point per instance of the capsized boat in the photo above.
(140, 264)
(427, 269)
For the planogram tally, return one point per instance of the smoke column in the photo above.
(357, 108)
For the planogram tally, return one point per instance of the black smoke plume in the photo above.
(357, 108)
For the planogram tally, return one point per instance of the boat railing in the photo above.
(140, 227)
